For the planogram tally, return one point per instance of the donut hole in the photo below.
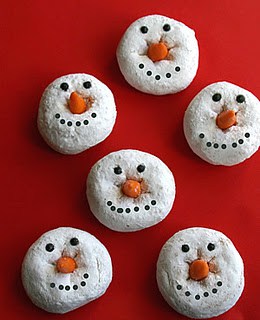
(213, 268)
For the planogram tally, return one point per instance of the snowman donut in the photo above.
(65, 269)
(222, 124)
(158, 55)
(76, 112)
(130, 190)
(200, 273)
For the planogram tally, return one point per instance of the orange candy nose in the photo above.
(77, 104)
(66, 265)
(132, 188)
(157, 51)
(226, 119)
(199, 269)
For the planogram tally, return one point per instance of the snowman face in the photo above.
(222, 124)
(200, 273)
(129, 190)
(158, 55)
(65, 269)
(76, 112)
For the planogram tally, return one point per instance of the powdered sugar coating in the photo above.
(70, 133)
(207, 298)
(120, 212)
(58, 292)
(214, 145)
(170, 75)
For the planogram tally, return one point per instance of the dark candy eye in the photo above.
(144, 29)
(74, 241)
(64, 86)
(211, 246)
(216, 97)
(185, 248)
(87, 84)
(166, 27)
(240, 98)
(49, 247)
(141, 168)
(117, 170)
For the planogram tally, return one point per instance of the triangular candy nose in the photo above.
(226, 119)
(77, 104)
(157, 51)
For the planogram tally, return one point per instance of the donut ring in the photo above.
(158, 55)
(76, 112)
(200, 273)
(65, 269)
(130, 190)
(222, 124)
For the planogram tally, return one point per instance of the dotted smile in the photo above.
(67, 287)
(198, 296)
(158, 77)
(224, 146)
(76, 123)
(128, 210)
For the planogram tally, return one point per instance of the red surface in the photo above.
(41, 189)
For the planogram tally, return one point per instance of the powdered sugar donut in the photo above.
(130, 190)
(76, 112)
(222, 124)
(158, 55)
(65, 269)
(200, 273)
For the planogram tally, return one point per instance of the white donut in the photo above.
(130, 190)
(158, 55)
(76, 112)
(65, 269)
(222, 124)
(200, 273)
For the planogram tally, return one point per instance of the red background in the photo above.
(42, 189)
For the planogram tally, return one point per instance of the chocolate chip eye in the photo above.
(211, 246)
(117, 170)
(87, 84)
(166, 27)
(240, 98)
(64, 86)
(49, 247)
(141, 168)
(185, 248)
(74, 241)
(216, 97)
(144, 29)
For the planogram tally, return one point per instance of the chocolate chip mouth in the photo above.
(224, 146)
(74, 287)
(157, 77)
(77, 123)
(146, 207)
(204, 294)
